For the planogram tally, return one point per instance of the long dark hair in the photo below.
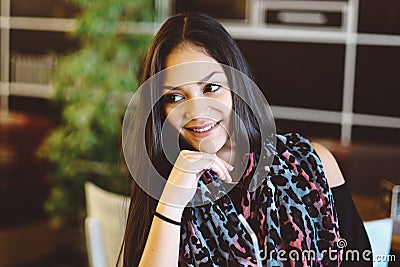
(208, 34)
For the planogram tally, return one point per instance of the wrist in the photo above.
(172, 212)
(166, 219)
(176, 196)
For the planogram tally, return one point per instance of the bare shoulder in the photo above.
(331, 168)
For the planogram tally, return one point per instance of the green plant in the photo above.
(92, 86)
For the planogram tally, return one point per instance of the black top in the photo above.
(351, 227)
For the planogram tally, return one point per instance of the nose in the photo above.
(197, 107)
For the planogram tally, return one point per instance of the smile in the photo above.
(203, 129)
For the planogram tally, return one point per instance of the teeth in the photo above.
(205, 129)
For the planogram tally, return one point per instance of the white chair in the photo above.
(104, 225)
(380, 235)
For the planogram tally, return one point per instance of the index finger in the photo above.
(194, 161)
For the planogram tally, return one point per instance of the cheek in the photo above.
(228, 114)
(228, 107)
(167, 112)
(172, 115)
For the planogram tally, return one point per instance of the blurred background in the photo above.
(329, 69)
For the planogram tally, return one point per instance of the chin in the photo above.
(209, 150)
(209, 147)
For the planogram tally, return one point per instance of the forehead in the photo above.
(190, 64)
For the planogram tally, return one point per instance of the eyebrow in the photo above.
(206, 78)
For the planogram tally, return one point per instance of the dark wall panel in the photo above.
(222, 9)
(303, 75)
(367, 135)
(309, 129)
(377, 16)
(377, 84)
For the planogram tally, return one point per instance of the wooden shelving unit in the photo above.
(253, 27)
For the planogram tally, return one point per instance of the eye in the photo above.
(172, 98)
(211, 87)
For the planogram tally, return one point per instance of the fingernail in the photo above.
(230, 168)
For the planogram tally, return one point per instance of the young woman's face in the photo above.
(200, 111)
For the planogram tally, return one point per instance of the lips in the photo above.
(203, 128)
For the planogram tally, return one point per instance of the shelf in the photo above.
(66, 25)
(335, 117)
(31, 90)
(26, 90)
(376, 121)
(302, 114)
(377, 39)
(42, 24)
(309, 35)
(307, 5)
(283, 33)
(238, 31)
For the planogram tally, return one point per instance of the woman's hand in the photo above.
(189, 166)
(162, 246)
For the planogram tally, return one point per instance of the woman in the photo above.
(297, 208)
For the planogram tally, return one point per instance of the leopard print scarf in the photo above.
(291, 213)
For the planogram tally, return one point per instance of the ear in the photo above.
(330, 166)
